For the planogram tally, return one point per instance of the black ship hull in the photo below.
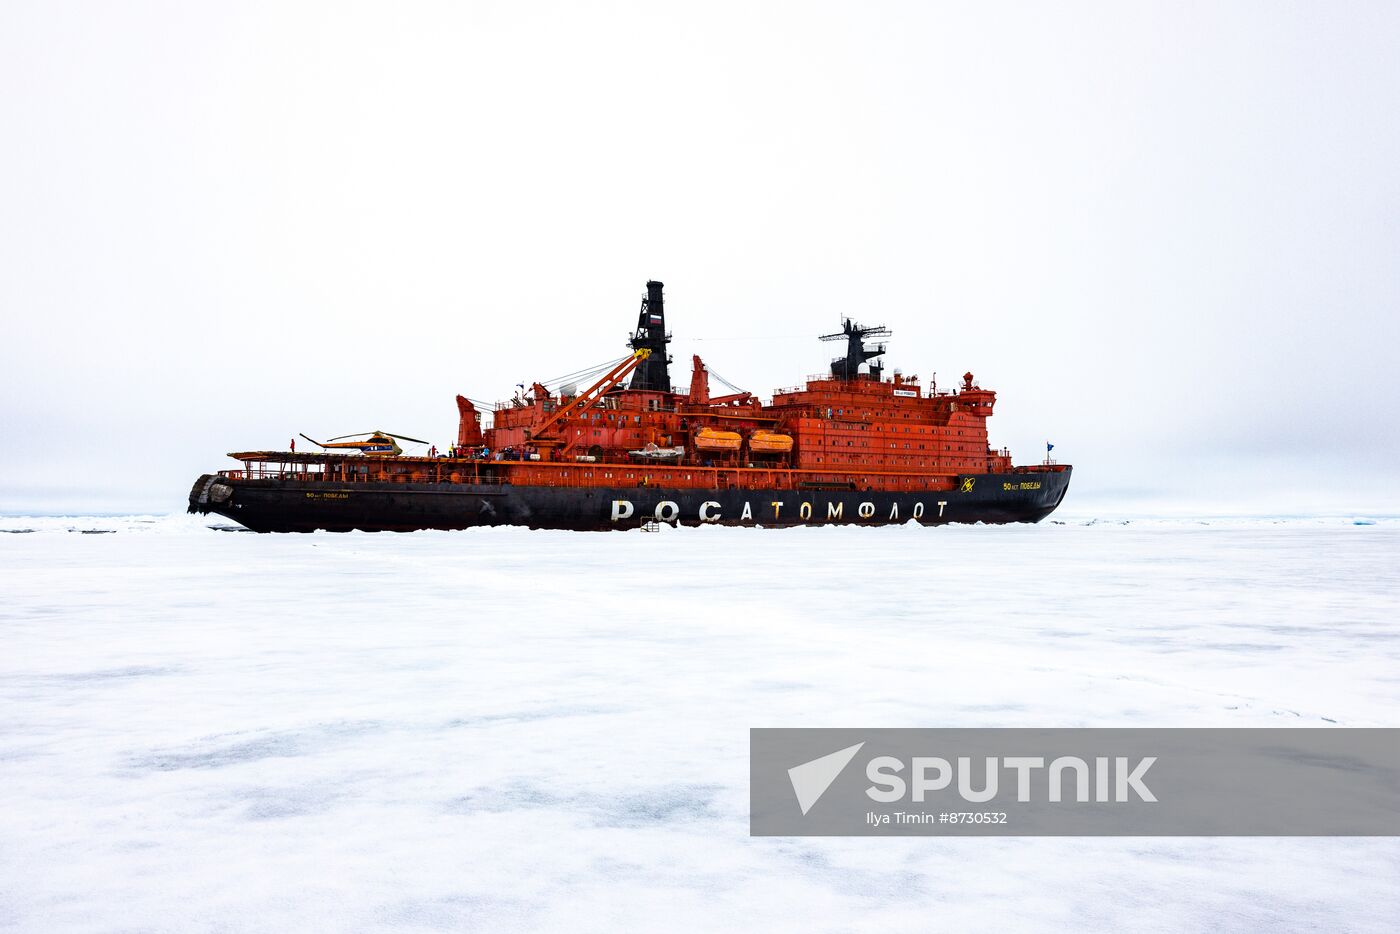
(268, 505)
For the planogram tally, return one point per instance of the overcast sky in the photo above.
(1167, 234)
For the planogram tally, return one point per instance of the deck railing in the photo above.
(578, 475)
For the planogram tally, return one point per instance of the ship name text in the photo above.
(781, 511)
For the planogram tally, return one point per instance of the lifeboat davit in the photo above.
(769, 442)
(712, 439)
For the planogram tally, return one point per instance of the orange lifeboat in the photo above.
(769, 442)
(712, 439)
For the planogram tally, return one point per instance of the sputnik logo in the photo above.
(810, 780)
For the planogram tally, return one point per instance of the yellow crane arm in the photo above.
(589, 397)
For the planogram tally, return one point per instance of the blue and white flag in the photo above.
(1049, 447)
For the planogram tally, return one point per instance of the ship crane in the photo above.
(700, 387)
(848, 367)
(586, 399)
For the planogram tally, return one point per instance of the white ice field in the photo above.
(507, 730)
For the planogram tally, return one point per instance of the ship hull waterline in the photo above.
(269, 505)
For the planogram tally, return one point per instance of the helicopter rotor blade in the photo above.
(313, 440)
(360, 434)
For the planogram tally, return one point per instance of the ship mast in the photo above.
(654, 372)
(848, 367)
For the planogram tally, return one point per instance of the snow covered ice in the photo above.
(503, 729)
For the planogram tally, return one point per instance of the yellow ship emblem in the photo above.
(967, 484)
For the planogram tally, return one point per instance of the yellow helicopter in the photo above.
(372, 443)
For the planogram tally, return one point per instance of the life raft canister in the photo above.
(712, 439)
(763, 441)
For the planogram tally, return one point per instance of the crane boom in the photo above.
(588, 398)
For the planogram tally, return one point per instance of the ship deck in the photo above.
(354, 468)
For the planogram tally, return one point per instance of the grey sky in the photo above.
(1167, 234)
